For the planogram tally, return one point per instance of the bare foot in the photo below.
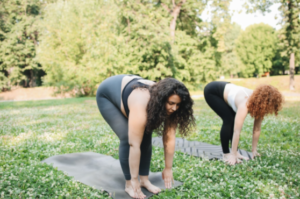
(129, 190)
(150, 187)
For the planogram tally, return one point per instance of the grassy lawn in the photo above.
(35, 130)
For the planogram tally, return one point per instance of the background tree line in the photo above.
(76, 44)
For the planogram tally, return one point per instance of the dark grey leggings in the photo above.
(109, 103)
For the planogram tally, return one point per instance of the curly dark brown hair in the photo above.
(264, 100)
(157, 117)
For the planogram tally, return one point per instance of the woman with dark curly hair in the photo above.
(232, 103)
(134, 107)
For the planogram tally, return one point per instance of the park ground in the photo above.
(280, 82)
(31, 131)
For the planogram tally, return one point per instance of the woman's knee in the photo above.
(229, 121)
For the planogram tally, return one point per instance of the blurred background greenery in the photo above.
(76, 44)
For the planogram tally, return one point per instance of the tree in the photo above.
(18, 41)
(205, 62)
(84, 42)
(148, 48)
(290, 32)
(280, 62)
(223, 35)
(80, 44)
(231, 63)
(184, 59)
(256, 49)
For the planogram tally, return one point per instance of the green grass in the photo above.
(38, 103)
(35, 130)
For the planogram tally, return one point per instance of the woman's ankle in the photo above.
(128, 183)
(144, 179)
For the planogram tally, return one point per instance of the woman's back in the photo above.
(236, 95)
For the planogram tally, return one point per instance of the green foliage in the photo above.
(30, 134)
(148, 47)
(289, 34)
(280, 62)
(18, 40)
(220, 22)
(223, 35)
(256, 49)
(188, 19)
(79, 45)
(231, 63)
(193, 52)
(82, 43)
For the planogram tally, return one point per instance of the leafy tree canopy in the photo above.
(256, 48)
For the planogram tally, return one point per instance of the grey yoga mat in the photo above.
(199, 149)
(101, 172)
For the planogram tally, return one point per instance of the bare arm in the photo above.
(137, 104)
(238, 125)
(169, 149)
(136, 128)
(256, 134)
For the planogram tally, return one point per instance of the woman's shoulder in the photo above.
(146, 82)
(139, 97)
(128, 78)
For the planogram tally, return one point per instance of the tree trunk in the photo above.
(174, 13)
(292, 71)
(32, 82)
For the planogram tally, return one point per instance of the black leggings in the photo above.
(109, 103)
(214, 96)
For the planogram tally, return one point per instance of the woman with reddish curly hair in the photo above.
(232, 103)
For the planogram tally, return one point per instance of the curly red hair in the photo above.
(266, 99)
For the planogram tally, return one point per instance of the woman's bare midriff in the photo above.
(225, 94)
(125, 81)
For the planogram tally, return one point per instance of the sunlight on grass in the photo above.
(21, 137)
(51, 136)
(29, 134)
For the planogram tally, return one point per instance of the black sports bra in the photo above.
(127, 91)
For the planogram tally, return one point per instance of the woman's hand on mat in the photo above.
(231, 159)
(255, 154)
(167, 176)
(135, 184)
(240, 156)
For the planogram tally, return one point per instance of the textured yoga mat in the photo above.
(100, 171)
(199, 149)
